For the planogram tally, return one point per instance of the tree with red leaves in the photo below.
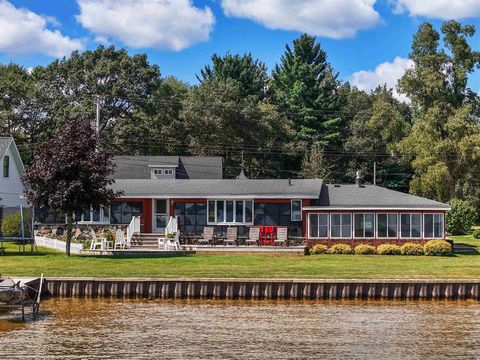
(70, 173)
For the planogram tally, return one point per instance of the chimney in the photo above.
(358, 178)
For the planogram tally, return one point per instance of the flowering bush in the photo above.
(437, 248)
(365, 249)
(340, 249)
(388, 249)
(410, 248)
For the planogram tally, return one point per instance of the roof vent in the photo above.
(290, 182)
(358, 178)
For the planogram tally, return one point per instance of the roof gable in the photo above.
(7, 143)
(187, 167)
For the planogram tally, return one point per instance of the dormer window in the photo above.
(163, 173)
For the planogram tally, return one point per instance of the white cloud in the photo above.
(385, 73)
(24, 32)
(334, 19)
(168, 24)
(442, 9)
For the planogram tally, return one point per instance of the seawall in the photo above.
(268, 289)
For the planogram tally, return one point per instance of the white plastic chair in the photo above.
(173, 244)
(120, 239)
(96, 241)
(253, 236)
(162, 243)
(282, 236)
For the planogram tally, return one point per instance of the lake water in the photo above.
(116, 329)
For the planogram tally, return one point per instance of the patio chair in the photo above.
(120, 239)
(253, 236)
(96, 241)
(282, 236)
(207, 236)
(173, 244)
(231, 238)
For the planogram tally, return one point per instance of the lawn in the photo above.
(247, 266)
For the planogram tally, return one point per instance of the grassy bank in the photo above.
(247, 266)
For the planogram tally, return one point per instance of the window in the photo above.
(387, 225)
(168, 171)
(341, 225)
(410, 225)
(192, 217)
(6, 166)
(123, 211)
(317, 226)
(230, 212)
(157, 172)
(365, 225)
(433, 226)
(296, 210)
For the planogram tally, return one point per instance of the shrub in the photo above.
(340, 249)
(11, 225)
(437, 248)
(461, 217)
(365, 249)
(476, 233)
(388, 249)
(318, 249)
(411, 249)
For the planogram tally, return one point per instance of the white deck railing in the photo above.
(133, 228)
(172, 226)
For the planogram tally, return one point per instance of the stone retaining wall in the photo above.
(265, 289)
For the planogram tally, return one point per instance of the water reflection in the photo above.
(115, 329)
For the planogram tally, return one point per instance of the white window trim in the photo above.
(243, 222)
(168, 171)
(291, 210)
(421, 226)
(374, 226)
(398, 227)
(442, 217)
(341, 225)
(328, 226)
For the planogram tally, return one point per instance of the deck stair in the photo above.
(146, 240)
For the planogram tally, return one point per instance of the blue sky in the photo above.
(367, 41)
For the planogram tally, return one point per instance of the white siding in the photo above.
(11, 188)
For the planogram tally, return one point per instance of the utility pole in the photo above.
(97, 119)
(374, 173)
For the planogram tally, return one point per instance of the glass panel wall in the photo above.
(364, 225)
(192, 217)
(341, 225)
(433, 226)
(411, 225)
(318, 226)
(387, 225)
(123, 211)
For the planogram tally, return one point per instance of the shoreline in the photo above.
(264, 289)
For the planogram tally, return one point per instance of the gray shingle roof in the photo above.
(189, 167)
(370, 196)
(4, 143)
(201, 188)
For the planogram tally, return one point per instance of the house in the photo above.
(193, 190)
(11, 171)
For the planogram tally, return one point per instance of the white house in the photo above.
(11, 171)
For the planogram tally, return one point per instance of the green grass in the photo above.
(245, 266)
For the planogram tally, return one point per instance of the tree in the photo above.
(443, 142)
(377, 123)
(217, 119)
(124, 85)
(70, 173)
(305, 86)
(250, 74)
(461, 217)
(314, 165)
